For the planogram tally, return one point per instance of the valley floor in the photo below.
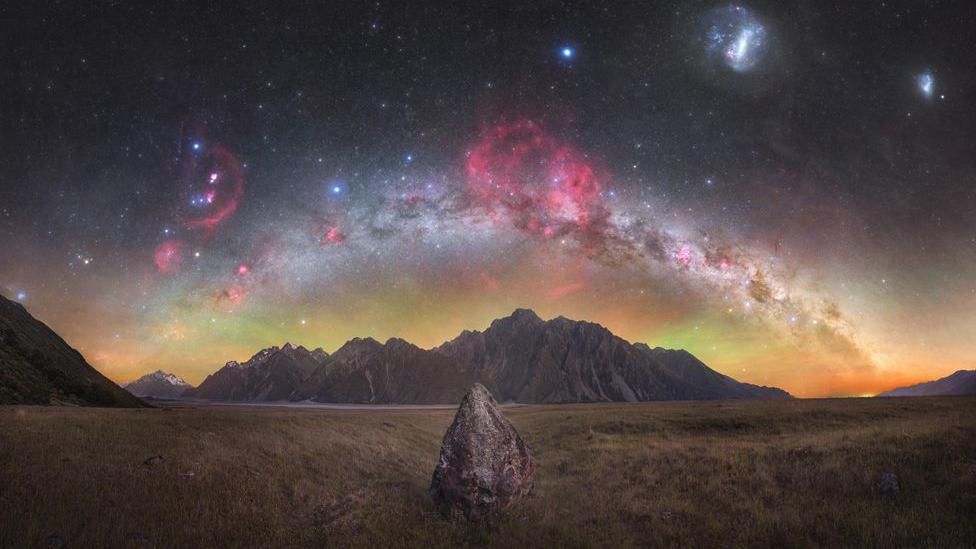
(759, 473)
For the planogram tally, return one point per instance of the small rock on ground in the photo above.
(888, 486)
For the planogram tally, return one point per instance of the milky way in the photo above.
(785, 190)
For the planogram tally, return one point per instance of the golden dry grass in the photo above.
(801, 473)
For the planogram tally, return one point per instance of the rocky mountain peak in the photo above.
(260, 356)
(396, 343)
(165, 377)
(526, 315)
(319, 354)
(358, 346)
(158, 384)
(520, 319)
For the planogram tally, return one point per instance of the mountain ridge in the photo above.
(38, 367)
(520, 358)
(960, 382)
(270, 374)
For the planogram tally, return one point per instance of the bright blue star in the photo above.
(196, 146)
(336, 189)
(567, 52)
(21, 295)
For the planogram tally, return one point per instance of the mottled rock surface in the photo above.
(888, 485)
(484, 465)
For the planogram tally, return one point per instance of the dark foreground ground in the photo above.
(802, 473)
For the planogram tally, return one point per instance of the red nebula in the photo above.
(547, 186)
(412, 199)
(683, 255)
(720, 259)
(214, 185)
(169, 256)
(333, 236)
(566, 289)
(235, 294)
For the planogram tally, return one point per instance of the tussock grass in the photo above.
(703, 474)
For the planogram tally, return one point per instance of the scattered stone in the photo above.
(484, 465)
(187, 475)
(667, 515)
(137, 538)
(153, 461)
(54, 541)
(888, 485)
(563, 467)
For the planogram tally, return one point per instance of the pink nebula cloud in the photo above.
(169, 255)
(545, 186)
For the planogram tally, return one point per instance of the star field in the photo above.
(784, 189)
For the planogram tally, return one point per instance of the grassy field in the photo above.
(801, 473)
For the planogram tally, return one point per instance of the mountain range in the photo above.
(520, 358)
(38, 367)
(271, 374)
(962, 382)
(158, 384)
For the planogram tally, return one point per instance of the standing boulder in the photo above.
(485, 465)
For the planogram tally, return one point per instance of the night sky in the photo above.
(785, 189)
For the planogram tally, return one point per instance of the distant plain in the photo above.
(729, 473)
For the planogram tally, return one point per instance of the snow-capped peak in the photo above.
(162, 376)
(261, 355)
(170, 378)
